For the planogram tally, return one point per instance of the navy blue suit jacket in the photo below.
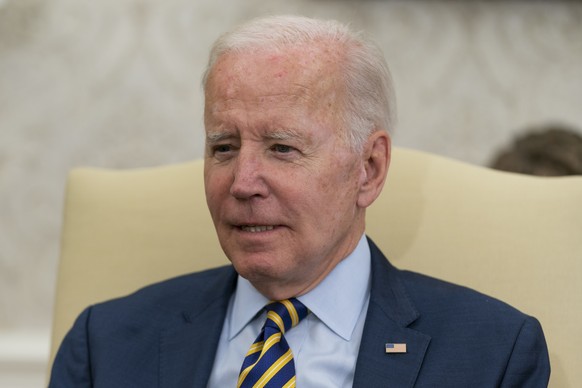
(166, 336)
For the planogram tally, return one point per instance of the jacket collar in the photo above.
(389, 316)
(186, 352)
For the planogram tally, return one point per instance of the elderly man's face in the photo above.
(281, 184)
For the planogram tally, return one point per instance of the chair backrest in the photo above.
(515, 237)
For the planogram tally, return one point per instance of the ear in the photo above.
(376, 162)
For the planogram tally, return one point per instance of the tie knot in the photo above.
(285, 314)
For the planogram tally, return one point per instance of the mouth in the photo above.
(256, 228)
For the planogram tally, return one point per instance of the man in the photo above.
(297, 113)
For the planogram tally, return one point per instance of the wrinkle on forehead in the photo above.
(298, 78)
(311, 70)
(286, 101)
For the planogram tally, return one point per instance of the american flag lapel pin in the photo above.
(395, 348)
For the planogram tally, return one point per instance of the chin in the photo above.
(262, 274)
(258, 274)
(251, 266)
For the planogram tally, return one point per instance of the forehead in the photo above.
(307, 72)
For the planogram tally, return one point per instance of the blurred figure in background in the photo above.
(551, 150)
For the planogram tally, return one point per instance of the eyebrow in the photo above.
(278, 134)
(215, 136)
(283, 134)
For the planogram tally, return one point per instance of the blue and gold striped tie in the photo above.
(269, 362)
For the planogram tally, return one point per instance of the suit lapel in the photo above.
(187, 350)
(390, 312)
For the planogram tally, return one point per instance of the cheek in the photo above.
(339, 192)
(215, 189)
(340, 182)
(325, 201)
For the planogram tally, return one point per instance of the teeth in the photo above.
(256, 228)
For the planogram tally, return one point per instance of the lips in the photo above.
(256, 228)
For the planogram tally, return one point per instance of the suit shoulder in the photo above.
(468, 328)
(435, 296)
(196, 282)
(185, 292)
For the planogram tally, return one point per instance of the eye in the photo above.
(223, 152)
(222, 148)
(282, 148)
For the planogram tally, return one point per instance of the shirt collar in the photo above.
(323, 301)
(248, 302)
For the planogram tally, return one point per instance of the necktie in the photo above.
(269, 362)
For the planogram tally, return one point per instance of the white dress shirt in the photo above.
(325, 344)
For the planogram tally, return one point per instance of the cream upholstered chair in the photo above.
(515, 237)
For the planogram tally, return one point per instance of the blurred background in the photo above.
(116, 83)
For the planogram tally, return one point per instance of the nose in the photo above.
(248, 176)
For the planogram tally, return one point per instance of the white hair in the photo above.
(369, 96)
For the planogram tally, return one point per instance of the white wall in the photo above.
(23, 355)
(116, 83)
